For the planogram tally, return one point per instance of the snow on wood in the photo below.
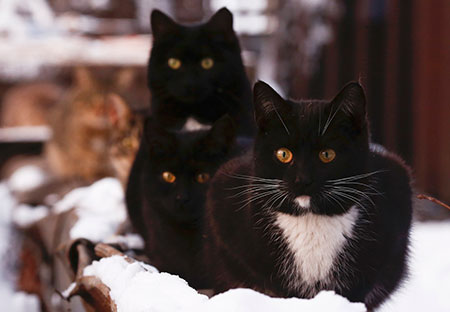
(25, 134)
(100, 209)
(26, 178)
(11, 300)
(133, 287)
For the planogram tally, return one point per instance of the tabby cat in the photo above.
(29, 104)
(82, 129)
(313, 206)
(166, 193)
(197, 71)
(124, 138)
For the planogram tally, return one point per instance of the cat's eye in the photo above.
(127, 143)
(168, 176)
(202, 177)
(174, 63)
(284, 155)
(327, 155)
(207, 63)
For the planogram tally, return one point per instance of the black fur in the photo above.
(191, 90)
(169, 215)
(245, 248)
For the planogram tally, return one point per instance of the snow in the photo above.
(24, 58)
(25, 133)
(26, 178)
(140, 287)
(248, 300)
(25, 215)
(428, 286)
(100, 209)
(133, 288)
(11, 300)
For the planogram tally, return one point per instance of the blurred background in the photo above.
(398, 50)
(52, 52)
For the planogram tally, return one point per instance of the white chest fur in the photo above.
(315, 241)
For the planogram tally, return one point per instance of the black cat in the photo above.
(313, 206)
(197, 71)
(166, 193)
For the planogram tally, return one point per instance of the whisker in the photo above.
(252, 199)
(252, 178)
(251, 190)
(253, 185)
(357, 177)
(331, 196)
(354, 191)
(376, 192)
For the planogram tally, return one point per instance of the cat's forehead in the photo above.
(306, 118)
(190, 41)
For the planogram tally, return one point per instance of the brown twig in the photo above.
(434, 200)
(104, 251)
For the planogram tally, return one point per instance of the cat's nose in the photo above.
(303, 183)
(182, 199)
(303, 180)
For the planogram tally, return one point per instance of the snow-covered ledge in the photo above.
(139, 287)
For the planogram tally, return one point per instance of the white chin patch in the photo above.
(303, 201)
(192, 124)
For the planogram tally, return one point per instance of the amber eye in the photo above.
(174, 63)
(202, 177)
(284, 155)
(327, 155)
(207, 63)
(169, 177)
(126, 142)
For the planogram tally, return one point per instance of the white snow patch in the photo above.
(11, 300)
(100, 209)
(25, 215)
(244, 300)
(27, 178)
(66, 293)
(134, 289)
(428, 286)
(25, 134)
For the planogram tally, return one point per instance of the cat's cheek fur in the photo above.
(315, 242)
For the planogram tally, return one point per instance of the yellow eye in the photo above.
(207, 63)
(127, 143)
(327, 155)
(174, 63)
(202, 177)
(169, 177)
(284, 155)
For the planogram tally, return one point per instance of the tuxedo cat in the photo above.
(166, 193)
(197, 71)
(313, 206)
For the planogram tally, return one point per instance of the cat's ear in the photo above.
(125, 78)
(221, 136)
(162, 24)
(118, 110)
(350, 103)
(268, 104)
(222, 21)
(83, 78)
